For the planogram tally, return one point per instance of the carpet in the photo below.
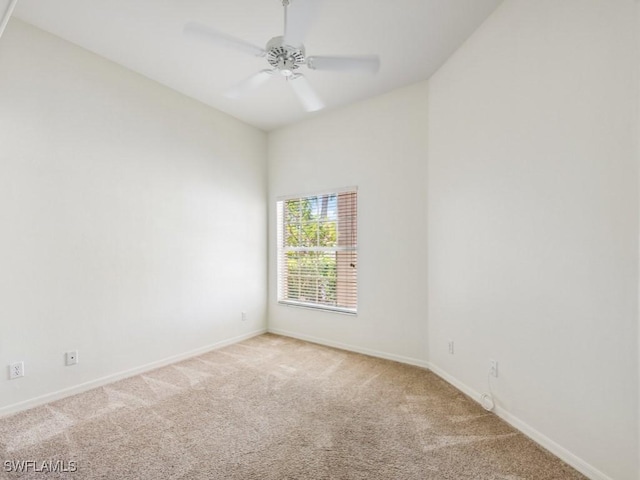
(272, 407)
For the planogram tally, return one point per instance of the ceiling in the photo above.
(412, 37)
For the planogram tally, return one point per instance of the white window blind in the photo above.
(318, 251)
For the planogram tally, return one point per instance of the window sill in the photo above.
(320, 308)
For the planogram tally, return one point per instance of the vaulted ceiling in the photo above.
(412, 37)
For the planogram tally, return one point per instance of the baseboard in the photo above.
(83, 387)
(544, 441)
(562, 453)
(352, 348)
(541, 439)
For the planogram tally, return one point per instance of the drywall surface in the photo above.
(637, 80)
(533, 223)
(132, 219)
(379, 146)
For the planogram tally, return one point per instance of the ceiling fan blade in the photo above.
(305, 92)
(249, 84)
(360, 63)
(299, 17)
(222, 39)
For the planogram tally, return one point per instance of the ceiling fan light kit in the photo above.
(284, 58)
(286, 54)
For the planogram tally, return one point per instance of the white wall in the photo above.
(132, 219)
(533, 223)
(379, 146)
(637, 80)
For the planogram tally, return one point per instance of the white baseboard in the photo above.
(542, 440)
(562, 453)
(99, 382)
(352, 348)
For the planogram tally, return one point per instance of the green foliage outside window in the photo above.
(311, 273)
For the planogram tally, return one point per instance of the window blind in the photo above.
(318, 251)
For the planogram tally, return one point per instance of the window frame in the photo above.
(280, 251)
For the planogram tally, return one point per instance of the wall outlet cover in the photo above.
(493, 368)
(71, 358)
(16, 370)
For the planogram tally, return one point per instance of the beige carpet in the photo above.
(274, 408)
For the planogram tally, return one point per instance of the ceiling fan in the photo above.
(286, 54)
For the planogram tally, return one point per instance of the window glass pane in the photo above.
(317, 251)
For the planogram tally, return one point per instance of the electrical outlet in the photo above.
(71, 358)
(244, 316)
(493, 368)
(16, 370)
(451, 347)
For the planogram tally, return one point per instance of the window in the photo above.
(318, 251)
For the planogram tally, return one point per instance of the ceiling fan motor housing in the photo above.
(284, 58)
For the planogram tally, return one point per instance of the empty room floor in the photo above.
(273, 407)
